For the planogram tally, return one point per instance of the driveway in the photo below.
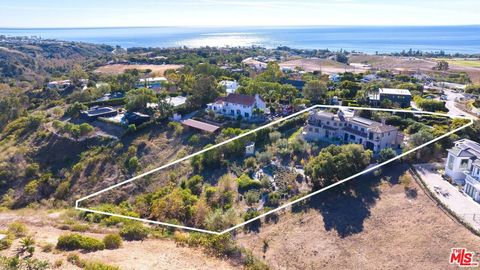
(460, 203)
(452, 97)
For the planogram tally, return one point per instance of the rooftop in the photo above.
(393, 91)
(237, 99)
(200, 125)
(176, 101)
(370, 124)
(155, 79)
(466, 148)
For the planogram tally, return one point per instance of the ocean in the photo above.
(368, 39)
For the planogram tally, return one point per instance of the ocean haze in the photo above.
(368, 39)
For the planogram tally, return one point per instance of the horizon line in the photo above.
(236, 26)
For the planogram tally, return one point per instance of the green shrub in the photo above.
(74, 259)
(79, 227)
(112, 241)
(95, 265)
(7, 241)
(134, 231)
(131, 128)
(58, 263)
(31, 188)
(132, 164)
(76, 241)
(85, 128)
(247, 183)
(48, 247)
(18, 229)
(62, 190)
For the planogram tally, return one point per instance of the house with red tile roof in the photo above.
(238, 105)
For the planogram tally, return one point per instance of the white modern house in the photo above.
(238, 105)
(463, 166)
(230, 86)
(340, 128)
(59, 85)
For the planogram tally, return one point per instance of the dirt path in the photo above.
(147, 254)
(380, 229)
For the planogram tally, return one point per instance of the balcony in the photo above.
(472, 180)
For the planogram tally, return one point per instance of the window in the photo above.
(464, 164)
(334, 124)
(316, 130)
(310, 129)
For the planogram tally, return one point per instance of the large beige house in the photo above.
(336, 127)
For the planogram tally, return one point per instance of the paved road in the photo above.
(450, 103)
(460, 203)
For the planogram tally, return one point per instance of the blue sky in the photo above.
(116, 13)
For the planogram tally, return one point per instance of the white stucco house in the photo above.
(238, 105)
(342, 128)
(230, 86)
(463, 166)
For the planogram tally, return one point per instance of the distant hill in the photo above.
(34, 61)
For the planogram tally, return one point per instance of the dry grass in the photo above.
(116, 69)
(147, 254)
(412, 64)
(387, 231)
(326, 66)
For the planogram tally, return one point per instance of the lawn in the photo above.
(463, 62)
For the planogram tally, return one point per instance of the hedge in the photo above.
(110, 102)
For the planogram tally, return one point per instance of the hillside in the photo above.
(370, 223)
(32, 62)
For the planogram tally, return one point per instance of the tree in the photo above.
(334, 163)
(473, 89)
(176, 205)
(314, 90)
(252, 197)
(342, 58)
(75, 109)
(220, 220)
(271, 74)
(441, 65)
(423, 136)
(136, 100)
(127, 81)
(386, 154)
(204, 90)
(195, 184)
(77, 74)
